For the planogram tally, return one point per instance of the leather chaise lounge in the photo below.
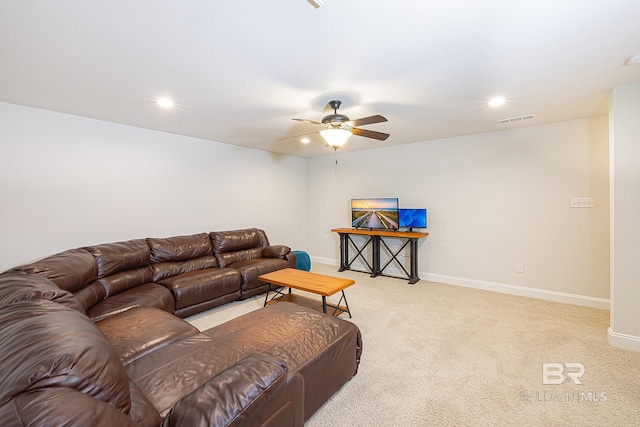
(94, 337)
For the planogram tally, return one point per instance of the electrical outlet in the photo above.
(519, 267)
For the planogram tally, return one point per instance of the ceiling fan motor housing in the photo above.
(335, 119)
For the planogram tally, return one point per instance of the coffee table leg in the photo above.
(346, 304)
(267, 295)
(324, 304)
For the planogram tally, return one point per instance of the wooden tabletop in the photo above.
(386, 233)
(319, 284)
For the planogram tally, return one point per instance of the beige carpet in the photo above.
(441, 355)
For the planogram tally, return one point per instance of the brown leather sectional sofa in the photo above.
(94, 337)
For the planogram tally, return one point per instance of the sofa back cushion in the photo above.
(120, 266)
(15, 287)
(115, 257)
(69, 270)
(238, 245)
(179, 248)
(123, 280)
(47, 346)
(182, 254)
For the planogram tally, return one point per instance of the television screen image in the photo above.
(413, 218)
(375, 213)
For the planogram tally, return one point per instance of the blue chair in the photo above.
(303, 262)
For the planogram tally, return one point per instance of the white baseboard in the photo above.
(628, 342)
(524, 291)
(322, 260)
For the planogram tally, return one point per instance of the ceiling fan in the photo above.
(338, 127)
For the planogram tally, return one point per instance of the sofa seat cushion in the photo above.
(147, 295)
(206, 305)
(251, 269)
(236, 396)
(324, 349)
(173, 374)
(198, 286)
(162, 270)
(134, 333)
(168, 374)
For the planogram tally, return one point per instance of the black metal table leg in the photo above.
(278, 292)
(344, 296)
(344, 252)
(266, 297)
(375, 268)
(413, 255)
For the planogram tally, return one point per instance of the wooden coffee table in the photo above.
(306, 281)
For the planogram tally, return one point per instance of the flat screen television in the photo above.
(412, 218)
(375, 213)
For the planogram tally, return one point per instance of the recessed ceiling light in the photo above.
(633, 59)
(305, 140)
(496, 101)
(164, 102)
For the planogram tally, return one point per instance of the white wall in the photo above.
(493, 200)
(67, 181)
(625, 213)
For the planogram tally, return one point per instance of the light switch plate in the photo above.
(581, 202)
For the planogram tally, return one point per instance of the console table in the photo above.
(376, 240)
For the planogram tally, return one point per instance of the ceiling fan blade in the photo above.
(296, 136)
(370, 134)
(369, 120)
(307, 121)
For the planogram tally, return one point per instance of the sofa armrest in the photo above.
(232, 396)
(291, 257)
(62, 406)
(276, 251)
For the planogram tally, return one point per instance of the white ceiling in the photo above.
(240, 71)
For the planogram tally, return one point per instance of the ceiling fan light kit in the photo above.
(335, 137)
